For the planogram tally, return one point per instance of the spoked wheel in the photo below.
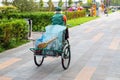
(66, 56)
(38, 59)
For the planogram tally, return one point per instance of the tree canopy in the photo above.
(25, 5)
(70, 3)
(51, 5)
(60, 3)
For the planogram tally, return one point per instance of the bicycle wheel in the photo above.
(38, 59)
(66, 56)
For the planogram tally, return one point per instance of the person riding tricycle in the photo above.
(54, 42)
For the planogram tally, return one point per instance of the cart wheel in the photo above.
(38, 59)
(66, 57)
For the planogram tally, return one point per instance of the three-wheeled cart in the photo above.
(64, 52)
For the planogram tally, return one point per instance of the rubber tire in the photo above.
(35, 60)
(66, 47)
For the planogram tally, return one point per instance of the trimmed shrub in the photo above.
(75, 14)
(5, 10)
(12, 32)
(42, 19)
(39, 19)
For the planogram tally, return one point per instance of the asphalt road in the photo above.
(95, 55)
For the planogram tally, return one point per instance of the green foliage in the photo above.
(12, 32)
(41, 4)
(51, 5)
(70, 2)
(75, 14)
(5, 2)
(5, 10)
(42, 19)
(114, 3)
(25, 5)
(1, 48)
(80, 2)
(89, 1)
(60, 3)
(86, 5)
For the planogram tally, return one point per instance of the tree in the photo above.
(51, 5)
(80, 2)
(25, 5)
(32, 6)
(20, 4)
(107, 2)
(89, 2)
(41, 4)
(60, 3)
(70, 3)
(5, 2)
(115, 2)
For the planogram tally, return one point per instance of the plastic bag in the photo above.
(52, 31)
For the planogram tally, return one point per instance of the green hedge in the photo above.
(75, 14)
(12, 32)
(5, 10)
(42, 19)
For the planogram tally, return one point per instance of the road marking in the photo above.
(8, 63)
(97, 37)
(86, 73)
(5, 78)
(89, 30)
(114, 44)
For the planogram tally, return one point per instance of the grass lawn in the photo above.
(78, 21)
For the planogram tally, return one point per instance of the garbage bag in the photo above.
(52, 31)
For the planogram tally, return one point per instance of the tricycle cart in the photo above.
(64, 52)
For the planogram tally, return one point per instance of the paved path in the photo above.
(95, 50)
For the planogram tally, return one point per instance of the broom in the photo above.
(44, 44)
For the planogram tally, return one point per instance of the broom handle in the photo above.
(50, 40)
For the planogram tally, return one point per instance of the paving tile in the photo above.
(5, 78)
(8, 63)
(112, 78)
(115, 43)
(86, 73)
(97, 37)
